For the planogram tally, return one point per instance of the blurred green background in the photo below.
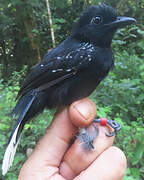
(25, 37)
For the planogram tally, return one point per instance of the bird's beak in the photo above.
(121, 22)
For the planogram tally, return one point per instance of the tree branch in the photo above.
(50, 21)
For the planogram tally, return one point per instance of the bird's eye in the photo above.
(96, 20)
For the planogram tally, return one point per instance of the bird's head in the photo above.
(98, 24)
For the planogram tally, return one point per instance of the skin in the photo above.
(55, 158)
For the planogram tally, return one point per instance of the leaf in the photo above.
(138, 152)
(36, 31)
(128, 175)
(135, 173)
(120, 42)
(3, 127)
(140, 31)
(59, 20)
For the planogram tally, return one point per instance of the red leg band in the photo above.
(103, 121)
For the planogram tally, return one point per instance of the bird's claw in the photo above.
(113, 124)
(111, 133)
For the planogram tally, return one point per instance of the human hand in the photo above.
(55, 158)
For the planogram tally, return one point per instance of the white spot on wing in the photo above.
(89, 46)
(56, 70)
(83, 48)
(68, 70)
(69, 55)
(90, 50)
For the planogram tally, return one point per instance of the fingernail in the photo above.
(85, 109)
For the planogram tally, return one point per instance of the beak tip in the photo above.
(122, 22)
(133, 20)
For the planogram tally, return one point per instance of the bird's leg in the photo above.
(109, 123)
(88, 135)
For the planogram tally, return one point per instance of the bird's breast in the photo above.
(102, 63)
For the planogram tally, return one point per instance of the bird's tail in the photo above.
(26, 108)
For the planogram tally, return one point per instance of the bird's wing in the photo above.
(49, 72)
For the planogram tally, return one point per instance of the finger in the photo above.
(78, 158)
(110, 165)
(80, 115)
(51, 148)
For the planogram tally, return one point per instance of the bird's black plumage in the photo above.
(69, 72)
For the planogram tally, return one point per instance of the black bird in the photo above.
(69, 72)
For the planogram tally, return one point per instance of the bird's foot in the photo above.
(89, 134)
(109, 123)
